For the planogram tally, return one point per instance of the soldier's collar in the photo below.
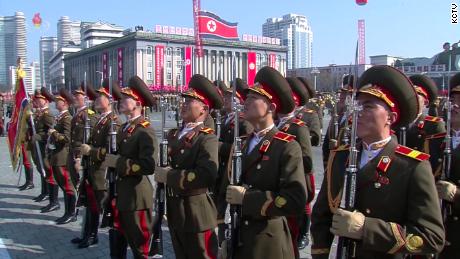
(81, 108)
(376, 145)
(133, 120)
(261, 133)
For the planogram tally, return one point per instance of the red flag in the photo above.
(212, 26)
(17, 127)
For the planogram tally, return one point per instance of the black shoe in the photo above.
(26, 186)
(67, 219)
(76, 240)
(50, 207)
(58, 220)
(41, 197)
(92, 240)
(303, 242)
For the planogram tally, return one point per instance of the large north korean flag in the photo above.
(212, 26)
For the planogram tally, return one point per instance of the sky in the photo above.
(406, 28)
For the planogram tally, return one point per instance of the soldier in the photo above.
(77, 128)
(448, 186)
(288, 123)
(396, 208)
(137, 151)
(194, 160)
(424, 125)
(2, 115)
(225, 145)
(58, 144)
(332, 139)
(310, 115)
(273, 179)
(93, 190)
(45, 122)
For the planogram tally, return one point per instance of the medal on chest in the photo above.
(381, 173)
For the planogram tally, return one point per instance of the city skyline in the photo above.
(334, 22)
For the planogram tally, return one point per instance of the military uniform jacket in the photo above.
(424, 126)
(78, 129)
(137, 148)
(311, 118)
(299, 129)
(435, 144)
(396, 194)
(274, 176)
(61, 139)
(194, 160)
(99, 141)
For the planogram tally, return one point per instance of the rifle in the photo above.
(446, 207)
(41, 164)
(349, 104)
(156, 245)
(85, 160)
(107, 217)
(346, 247)
(233, 233)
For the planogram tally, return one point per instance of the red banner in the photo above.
(17, 127)
(188, 64)
(105, 69)
(212, 26)
(272, 61)
(252, 69)
(120, 66)
(159, 64)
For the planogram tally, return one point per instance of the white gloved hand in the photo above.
(348, 224)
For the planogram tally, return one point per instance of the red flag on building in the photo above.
(17, 127)
(212, 26)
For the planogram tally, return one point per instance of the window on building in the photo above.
(169, 76)
(168, 52)
(168, 64)
(178, 52)
(149, 64)
(179, 64)
(149, 50)
(149, 76)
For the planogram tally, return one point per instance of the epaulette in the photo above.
(433, 119)
(284, 136)
(144, 123)
(439, 135)
(207, 130)
(342, 148)
(91, 112)
(409, 152)
(298, 122)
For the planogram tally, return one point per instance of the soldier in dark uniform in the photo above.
(194, 161)
(77, 128)
(92, 189)
(2, 115)
(137, 151)
(396, 207)
(58, 144)
(288, 123)
(332, 139)
(424, 125)
(273, 179)
(310, 114)
(448, 186)
(225, 146)
(45, 122)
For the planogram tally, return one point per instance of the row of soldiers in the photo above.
(397, 210)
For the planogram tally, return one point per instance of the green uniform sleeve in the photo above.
(204, 174)
(422, 233)
(144, 163)
(290, 198)
(64, 136)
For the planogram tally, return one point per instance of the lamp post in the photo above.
(315, 72)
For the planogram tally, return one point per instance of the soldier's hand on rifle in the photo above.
(446, 190)
(161, 174)
(77, 164)
(111, 160)
(235, 194)
(51, 131)
(85, 149)
(348, 224)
